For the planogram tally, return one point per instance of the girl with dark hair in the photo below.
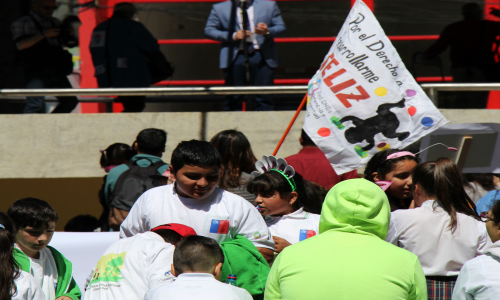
(391, 170)
(479, 277)
(14, 283)
(116, 154)
(238, 162)
(290, 204)
(444, 230)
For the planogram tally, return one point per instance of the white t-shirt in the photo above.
(196, 286)
(294, 227)
(44, 270)
(424, 232)
(220, 216)
(130, 267)
(27, 288)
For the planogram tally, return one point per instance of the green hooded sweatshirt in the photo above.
(349, 259)
(66, 285)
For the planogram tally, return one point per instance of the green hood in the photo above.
(357, 206)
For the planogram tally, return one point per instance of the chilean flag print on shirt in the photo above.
(219, 226)
(304, 234)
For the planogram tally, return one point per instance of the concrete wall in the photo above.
(67, 146)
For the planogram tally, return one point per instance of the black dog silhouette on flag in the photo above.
(385, 122)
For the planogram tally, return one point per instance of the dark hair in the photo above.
(471, 10)
(82, 223)
(484, 179)
(270, 182)
(441, 179)
(9, 270)
(197, 254)
(379, 163)
(495, 211)
(124, 9)
(306, 140)
(31, 212)
(236, 156)
(117, 151)
(151, 141)
(169, 236)
(194, 153)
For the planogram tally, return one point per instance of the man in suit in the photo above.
(226, 24)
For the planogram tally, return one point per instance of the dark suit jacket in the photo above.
(222, 23)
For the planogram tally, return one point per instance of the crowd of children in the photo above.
(406, 231)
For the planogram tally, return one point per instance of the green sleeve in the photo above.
(73, 291)
(418, 290)
(273, 290)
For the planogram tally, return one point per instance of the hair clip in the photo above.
(1, 226)
(407, 153)
(270, 163)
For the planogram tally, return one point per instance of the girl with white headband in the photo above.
(391, 170)
(15, 284)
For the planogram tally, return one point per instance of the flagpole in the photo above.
(290, 125)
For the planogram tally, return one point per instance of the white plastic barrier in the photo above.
(83, 249)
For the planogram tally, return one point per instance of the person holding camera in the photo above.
(40, 52)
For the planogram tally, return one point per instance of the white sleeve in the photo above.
(135, 222)
(484, 239)
(35, 292)
(252, 225)
(159, 265)
(392, 234)
(461, 289)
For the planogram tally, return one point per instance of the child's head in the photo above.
(276, 197)
(151, 141)
(82, 223)
(35, 222)
(8, 267)
(116, 154)
(236, 155)
(493, 222)
(398, 170)
(195, 167)
(441, 180)
(198, 254)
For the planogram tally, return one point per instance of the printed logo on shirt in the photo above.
(257, 235)
(305, 234)
(109, 268)
(219, 226)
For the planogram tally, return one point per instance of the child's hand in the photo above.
(280, 244)
(64, 298)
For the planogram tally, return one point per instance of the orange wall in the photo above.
(69, 196)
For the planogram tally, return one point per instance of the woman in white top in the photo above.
(444, 230)
(290, 204)
(14, 283)
(479, 278)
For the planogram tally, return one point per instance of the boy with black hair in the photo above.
(35, 221)
(130, 267)
(126, 182)
(197, 265)
(195, 200)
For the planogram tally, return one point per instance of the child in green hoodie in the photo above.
(35, 221)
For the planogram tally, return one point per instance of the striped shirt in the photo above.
(26, 27)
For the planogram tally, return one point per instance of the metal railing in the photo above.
(432, 89)
(155, 91)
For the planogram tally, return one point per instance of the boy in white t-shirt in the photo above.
(195, 200)
(197, 265)
(35, 222)
(132, 266)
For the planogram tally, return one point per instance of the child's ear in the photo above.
(376, 177)
(218, 271)
(172, 172)
(293, 197)
(172, 270)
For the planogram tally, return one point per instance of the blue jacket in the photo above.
(484, 204)
(128, 43)
(222, 23)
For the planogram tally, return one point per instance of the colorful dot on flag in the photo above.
(383, 146)
(412, 110)
(380, 91)
(410, 93)
(427, 122)
(324, 132)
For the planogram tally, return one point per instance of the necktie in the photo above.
(246, 26)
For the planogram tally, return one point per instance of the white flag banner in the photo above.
(363, 100)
